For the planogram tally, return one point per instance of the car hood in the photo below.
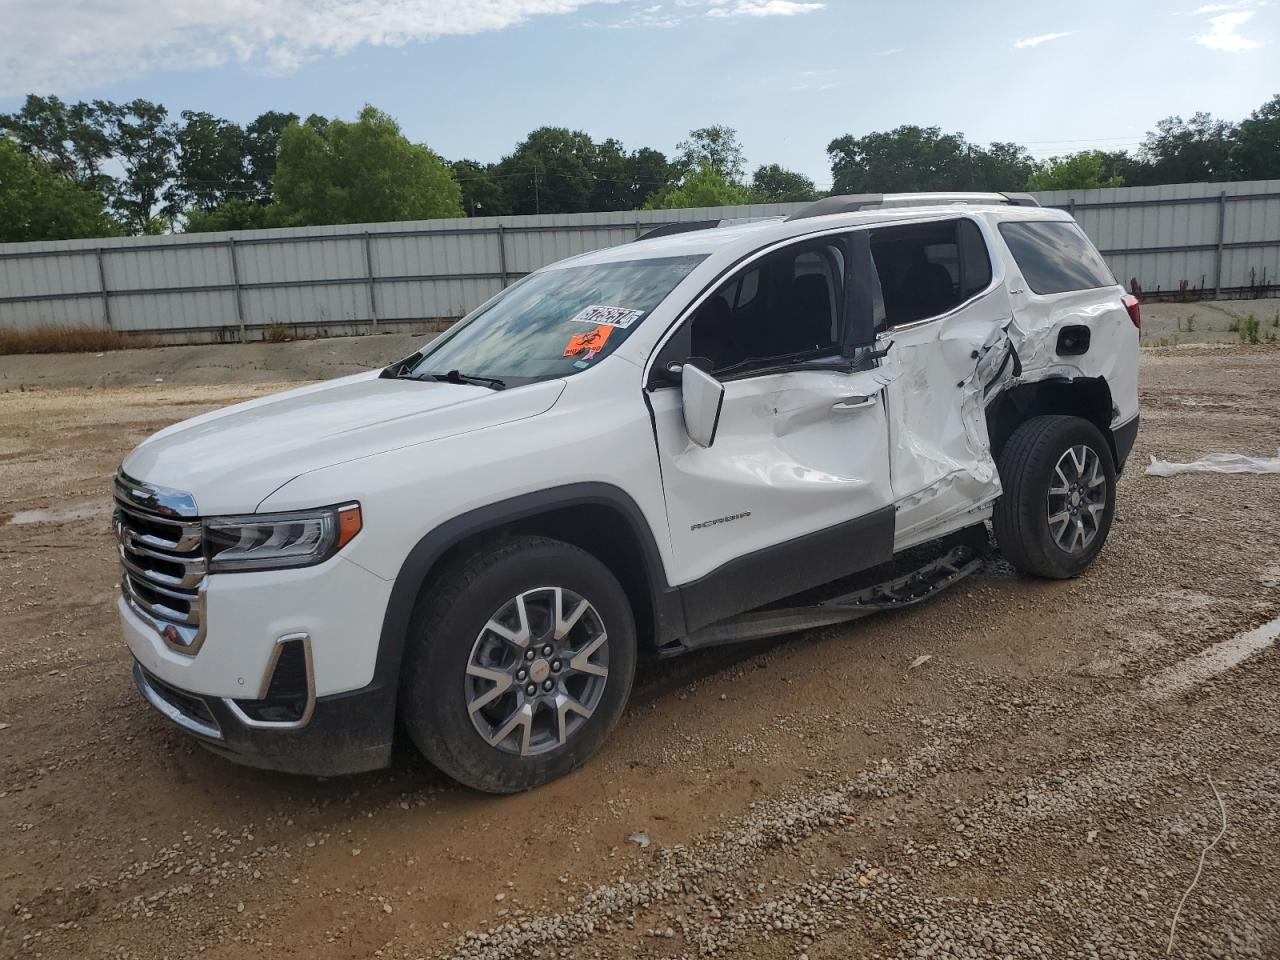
(232, 459)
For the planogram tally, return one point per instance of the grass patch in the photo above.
(1249, 330)
(68, 340)
(277, 333)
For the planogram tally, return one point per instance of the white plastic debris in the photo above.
(640, 839)
(920, 660)
(1216, 463)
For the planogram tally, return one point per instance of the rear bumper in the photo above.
(344, 733)
(1124, 436)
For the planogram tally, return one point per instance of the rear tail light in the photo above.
(1135, 309)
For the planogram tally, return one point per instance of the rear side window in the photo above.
(1055, 256)
(926, 269)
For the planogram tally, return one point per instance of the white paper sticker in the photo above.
(600, 316)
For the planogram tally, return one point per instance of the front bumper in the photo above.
(344, 733)
(284, 676)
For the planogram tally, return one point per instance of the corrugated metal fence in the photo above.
(1222, 238)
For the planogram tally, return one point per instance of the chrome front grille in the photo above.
(160, 542)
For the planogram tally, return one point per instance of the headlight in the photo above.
(273, 541)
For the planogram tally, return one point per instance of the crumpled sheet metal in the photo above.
(1216, 463)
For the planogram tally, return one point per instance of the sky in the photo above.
(471, 77)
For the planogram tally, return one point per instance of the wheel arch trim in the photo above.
(667, 612)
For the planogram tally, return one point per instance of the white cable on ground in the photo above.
(1222, 808)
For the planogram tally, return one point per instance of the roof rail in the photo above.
(688, 226)
(1021, 199)
(852, 202)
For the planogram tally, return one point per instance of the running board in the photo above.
(904, 591)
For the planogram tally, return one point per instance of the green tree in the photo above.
(1186, 151)
(904, 159)
(1078, 171)
(39, 203)
(911, 158)
(705, 187)
(482, 189)
(261, 145)
(143, 141)
(716, 147)
(649, 174)
(998, 166)
(1256, 153)
(211, 165)
(776, 184)
(610, 177)
(237, 213)
(69, 138)
(550, 171)
(365, 171)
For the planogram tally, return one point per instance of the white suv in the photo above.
(713, 433)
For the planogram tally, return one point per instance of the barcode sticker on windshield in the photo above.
(600, 316)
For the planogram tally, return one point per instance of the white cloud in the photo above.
(56, 45)
(684, 11)
(889, 52)
(1023, 43)
(1223, 33)
(762, 8)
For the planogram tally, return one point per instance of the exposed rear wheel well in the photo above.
(1085, 397)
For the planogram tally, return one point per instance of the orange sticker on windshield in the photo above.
(589, 343)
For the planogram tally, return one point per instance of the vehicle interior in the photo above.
(787, 304)
(790, 304)
(927, 269)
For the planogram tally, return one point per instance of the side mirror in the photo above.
(701, 396)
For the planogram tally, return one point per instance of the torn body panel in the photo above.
(1112, 351)
(938, 375)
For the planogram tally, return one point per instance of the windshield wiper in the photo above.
(456, 376)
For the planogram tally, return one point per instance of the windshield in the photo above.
(556, 322)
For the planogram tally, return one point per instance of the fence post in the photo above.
(502, 254)
(368, 269)
(1217, 257)
(235, 283)
(102, 285)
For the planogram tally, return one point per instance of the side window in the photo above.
(1055, 256)
(788, 305)
(927, 269)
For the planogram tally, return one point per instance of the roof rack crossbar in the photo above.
(852, 202)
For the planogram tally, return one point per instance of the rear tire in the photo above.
(1059, 498)
(519, 662)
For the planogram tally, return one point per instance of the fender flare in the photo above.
(668, 614)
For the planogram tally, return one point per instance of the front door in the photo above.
(794, 490)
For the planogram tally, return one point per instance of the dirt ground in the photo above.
(1041, 786)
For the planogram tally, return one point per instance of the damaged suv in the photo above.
(714, 433)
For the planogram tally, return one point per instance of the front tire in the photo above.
(1059, 498)
(519, 664)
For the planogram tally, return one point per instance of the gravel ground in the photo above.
(1041, 787)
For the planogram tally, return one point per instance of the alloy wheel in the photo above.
(1077, 500)
(537, 671)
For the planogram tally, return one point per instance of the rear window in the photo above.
(1055, 256)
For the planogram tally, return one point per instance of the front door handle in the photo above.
(854, 403)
